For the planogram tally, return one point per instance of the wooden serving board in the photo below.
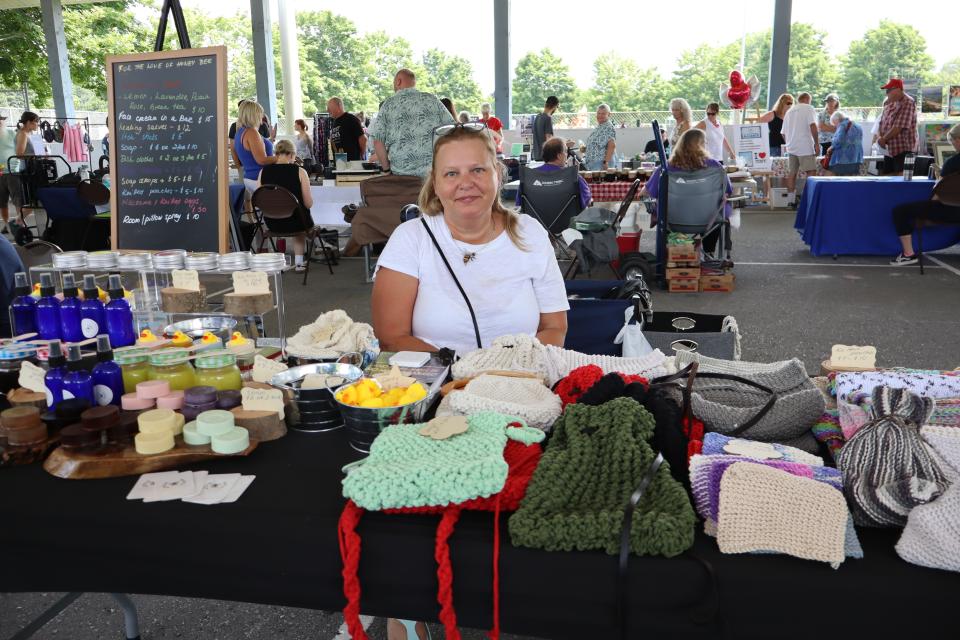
(27, 454)
(116, 461)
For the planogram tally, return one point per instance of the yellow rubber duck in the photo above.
(209, 338)
(36, 290)
(146, 338)
(180, 339)
(236, 340)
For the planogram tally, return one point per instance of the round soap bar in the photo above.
(96, 418)
(157, 421)
(200, 395)
(233, 441)
(151, 443)
(132, 402)
(20, 417)
(71, 408)
(190, 411)
(229, 399)
(215, 422)
(173, 400)
(193, 437)
(153, 389)
(30, 434)
(178, 422)
(76, 437)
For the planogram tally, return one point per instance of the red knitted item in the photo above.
(579, 381)
(522, 460)
(693, 429)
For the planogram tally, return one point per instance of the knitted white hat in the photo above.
(525, 398)
(560, 362)
(932, 535)
(766, 509)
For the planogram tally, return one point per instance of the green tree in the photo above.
(384, 57)
(92, 31)
(949, 73)
(539, 75)
(333, 61)
(869, 61)
(622, 84)
(450, 76)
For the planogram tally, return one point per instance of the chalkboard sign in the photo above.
(168, 162)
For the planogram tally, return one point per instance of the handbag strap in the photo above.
(473, 316)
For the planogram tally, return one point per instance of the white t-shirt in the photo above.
(796, 129)
(508, 287)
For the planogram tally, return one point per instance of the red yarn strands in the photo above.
(350, 555)
(495, 631)
(448, 615)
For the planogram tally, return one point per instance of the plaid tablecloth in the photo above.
(609, 191)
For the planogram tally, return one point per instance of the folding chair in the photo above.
(96, 194)
(695, 205)
(947, 190)
(273, 202)
(37, 253)
(553, 198)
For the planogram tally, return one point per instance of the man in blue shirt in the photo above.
(555, 158)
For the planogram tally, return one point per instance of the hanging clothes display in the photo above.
(73, 147)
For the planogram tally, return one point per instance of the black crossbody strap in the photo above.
(473, 316)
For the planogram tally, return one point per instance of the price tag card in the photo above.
(262, 400)
(186, 279)
(31, 377)
(844, 356)
(250, 282)
(444, 427)
(264, 368)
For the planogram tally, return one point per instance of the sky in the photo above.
(578, 34)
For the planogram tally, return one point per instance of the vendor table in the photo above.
(852, 216)
(609, 191)
(278, 545)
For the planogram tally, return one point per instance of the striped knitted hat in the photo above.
(524, 398)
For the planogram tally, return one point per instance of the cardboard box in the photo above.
(719, 284)
(683, 285)
(778, 197)
(682, 253)
(682, 273)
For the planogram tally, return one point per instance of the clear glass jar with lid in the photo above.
(219, 369)
(134, 365)
(173, 365)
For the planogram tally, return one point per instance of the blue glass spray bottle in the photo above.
(23, 306)
(70, 311)
(107, 375)
(48, 309)
(56, 370)
(92, 318)
(78, 383)
(119, 316)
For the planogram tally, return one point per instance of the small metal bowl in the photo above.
(314, 410)
(220, 326)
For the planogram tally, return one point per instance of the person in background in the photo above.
(774, 120)
(364, 120)
(6, 150)
(825, 137)
(713, 128)
(263, 127)
(105, 143)
(905, 215)
(683, 116)
(304, 145)
(493, 124)
(602, 141)
(802, 143)
(846, 148)
(10, 264)
(543, 127)
(651, 146)
(448, 103)
(464, 117)
(554, 158)
(346, 134)
(898, 127)
(271, 132)
(285, 173)
(27, 126)
(254, 151)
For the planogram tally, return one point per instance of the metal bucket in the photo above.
(361, 360)
(314, 410)
(364, 425)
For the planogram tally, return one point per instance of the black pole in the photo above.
(178, 22)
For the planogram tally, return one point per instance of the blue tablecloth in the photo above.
(852, 216)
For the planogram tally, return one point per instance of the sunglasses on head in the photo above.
(445, 129)
(711, 113)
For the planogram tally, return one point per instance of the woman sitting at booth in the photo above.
(905, 215)
(503, 261)
(287, 174)
(253, 150)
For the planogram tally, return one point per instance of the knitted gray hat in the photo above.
(887, 470)
(724, 405)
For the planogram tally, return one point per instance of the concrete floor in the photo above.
(787, 302)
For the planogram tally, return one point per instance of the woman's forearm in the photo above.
(406, 343)
(555, 337)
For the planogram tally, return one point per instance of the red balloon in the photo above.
(739, 91)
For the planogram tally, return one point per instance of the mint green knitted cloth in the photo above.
(406, 469)
(593, 463)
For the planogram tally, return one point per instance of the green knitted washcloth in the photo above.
(406, 469)
(593, 463)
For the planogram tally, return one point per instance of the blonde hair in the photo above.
(780, 107)
(684, 107)
(429, 201)
(284, 147)
(690, 152)
(249, 114)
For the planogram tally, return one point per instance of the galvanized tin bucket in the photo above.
(314, 410)
(364, 425)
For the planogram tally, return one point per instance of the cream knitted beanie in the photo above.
(525, 398)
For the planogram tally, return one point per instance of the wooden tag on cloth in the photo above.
(264, 368)
(844, 356)
(262, 400)
(445, 427)
(394, 379)
(32, 377)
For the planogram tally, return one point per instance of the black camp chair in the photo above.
(695, 206)
(553, 198)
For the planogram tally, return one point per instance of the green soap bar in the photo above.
(192, 437)
(215, 422)
(233, 441)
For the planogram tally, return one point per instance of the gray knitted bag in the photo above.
(887, 470)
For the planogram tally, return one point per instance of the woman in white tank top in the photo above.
(713, 130)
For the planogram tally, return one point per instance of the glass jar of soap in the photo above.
(134, 366)
(219, 370)
(173, 366)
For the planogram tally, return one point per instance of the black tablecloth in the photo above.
(278, 545)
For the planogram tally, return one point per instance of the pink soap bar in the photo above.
(174, 400)
(132, 402)
(153, 389)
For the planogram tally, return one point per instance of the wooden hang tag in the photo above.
(445, 427)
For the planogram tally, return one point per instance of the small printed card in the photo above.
(246, 282)
(262, 400)
(183, 486)
(198, 487)
(853, 357)
(187, 279)
(264, 369)
(444, 427)
(146, 483)
(32, 377)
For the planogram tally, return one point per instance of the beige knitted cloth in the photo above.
(766, 509)
(524, 398)
(331, 335)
